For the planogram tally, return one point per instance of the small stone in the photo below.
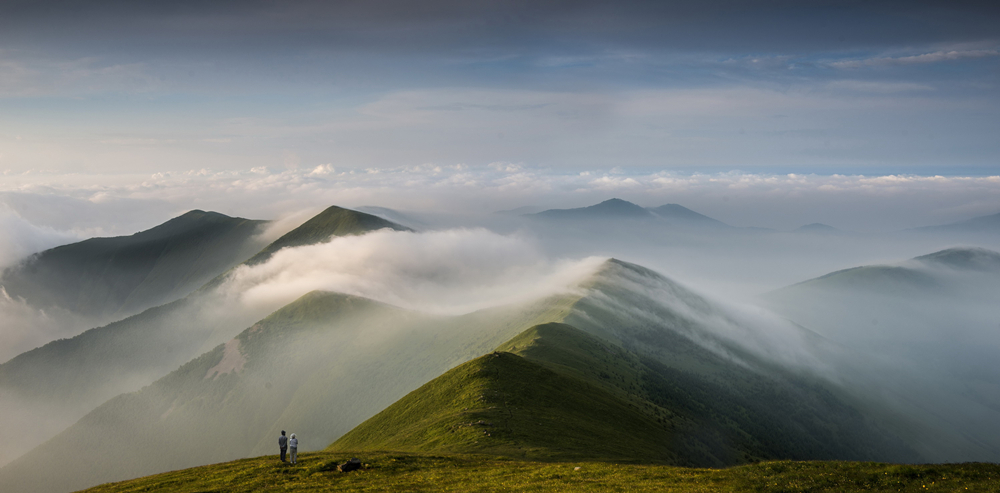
(577, 468)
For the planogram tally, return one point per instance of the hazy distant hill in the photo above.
(325, 363)
(52, 386)
(922, 335)
(966, 258)
(914, 276)
(114, 277)
(621, 209)
(609, 209)
(682, 215)
(981, 224)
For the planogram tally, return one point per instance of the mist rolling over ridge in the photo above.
(358, 295)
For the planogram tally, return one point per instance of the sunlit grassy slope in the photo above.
(461, 473)
(103, 277)
(557, 393)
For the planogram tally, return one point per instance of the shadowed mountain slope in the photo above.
(50, 387)
(113, 277)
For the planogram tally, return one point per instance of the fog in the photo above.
(443, 272)
(916, 355)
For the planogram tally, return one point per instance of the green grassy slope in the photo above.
(506, 405)
(105, 277)
(316, 472)
(567, 395)
(334, 221)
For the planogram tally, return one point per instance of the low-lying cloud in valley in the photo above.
(445, 272)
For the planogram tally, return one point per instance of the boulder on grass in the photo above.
(350, 465)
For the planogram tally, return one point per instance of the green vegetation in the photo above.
(568, 395)
(105, 277)
(460, 473)
(334, 221)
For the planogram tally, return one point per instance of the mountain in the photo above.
(49, 388)
(964, 258)
(557, 393)
(609, 209)
(104, 278)
(920, 335)
(680, 214)
(981, 224)
(392, 215)
(334, 221)
(327, 362)
(928, 274)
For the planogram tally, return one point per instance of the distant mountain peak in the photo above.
(333, 221)
(611, 208)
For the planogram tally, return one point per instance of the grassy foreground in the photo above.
(409, 472)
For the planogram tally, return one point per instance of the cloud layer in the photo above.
(444, 272)
(91, 205)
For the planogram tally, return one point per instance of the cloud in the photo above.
(97, 204)
(21, 238)
(443, 272)
(865, 86)
(933, 57)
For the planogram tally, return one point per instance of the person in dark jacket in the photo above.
(283, 444)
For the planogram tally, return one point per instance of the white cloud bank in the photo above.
(443, 272)
(89, 205)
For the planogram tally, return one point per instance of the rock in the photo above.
(350, 465)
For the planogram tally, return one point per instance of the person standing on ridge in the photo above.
(293, 448)
(283, 444)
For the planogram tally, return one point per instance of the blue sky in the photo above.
(121, 98)
(775, 86)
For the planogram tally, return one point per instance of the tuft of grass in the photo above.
(394, 471)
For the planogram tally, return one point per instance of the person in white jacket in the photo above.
(293, 448)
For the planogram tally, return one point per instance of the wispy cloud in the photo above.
(932, 57)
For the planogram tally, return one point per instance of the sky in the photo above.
(867, 109)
